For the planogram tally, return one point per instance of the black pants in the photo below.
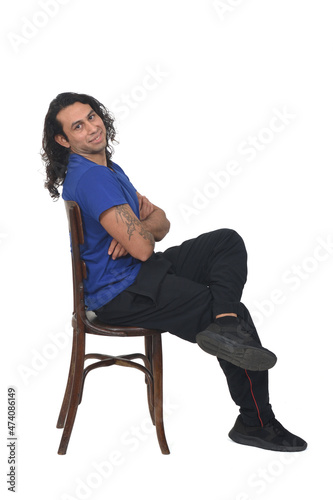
(182, 290)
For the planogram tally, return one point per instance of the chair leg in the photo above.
(157, 370)
(69, 387)
(150, 390)
(76, 391)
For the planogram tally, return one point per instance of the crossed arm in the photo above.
(132, 235)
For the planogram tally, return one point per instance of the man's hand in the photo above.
(116, 250)
(145, 207)
(153, 218)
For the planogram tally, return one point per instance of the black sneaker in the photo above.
(272, 436)
(234, 343)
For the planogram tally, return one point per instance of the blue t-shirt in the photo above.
(96, 188)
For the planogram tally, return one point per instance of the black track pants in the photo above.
(182, 290)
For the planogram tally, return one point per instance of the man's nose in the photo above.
(91, 127)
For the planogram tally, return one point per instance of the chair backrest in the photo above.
(78, 265)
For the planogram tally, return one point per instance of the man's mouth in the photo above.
(98, 138)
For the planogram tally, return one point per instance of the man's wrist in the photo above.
(148, 227)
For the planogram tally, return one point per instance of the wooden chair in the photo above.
(84, 322)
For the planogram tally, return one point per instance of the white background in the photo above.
(223, 71)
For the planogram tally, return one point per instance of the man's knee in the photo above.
(234, 239)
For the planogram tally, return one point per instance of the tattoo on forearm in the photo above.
(123, 215)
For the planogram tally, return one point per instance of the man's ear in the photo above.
(60, 139)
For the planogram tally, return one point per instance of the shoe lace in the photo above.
(277, 427)
(245, 328)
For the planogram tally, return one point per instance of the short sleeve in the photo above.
(119, 169)
(98, 190)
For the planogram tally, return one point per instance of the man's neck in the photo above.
(98, 158)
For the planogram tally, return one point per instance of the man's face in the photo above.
(85, 130)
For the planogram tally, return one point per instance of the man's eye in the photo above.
(78, 126)
(91, 117)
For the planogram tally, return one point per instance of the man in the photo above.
(192, 290)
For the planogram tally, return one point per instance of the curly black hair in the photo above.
(55, 156)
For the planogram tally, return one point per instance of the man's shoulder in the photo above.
(85, 179)
(81, 169)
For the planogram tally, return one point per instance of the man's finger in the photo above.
(112, 246)
(118, 251)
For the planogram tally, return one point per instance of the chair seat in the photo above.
(94, 325)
